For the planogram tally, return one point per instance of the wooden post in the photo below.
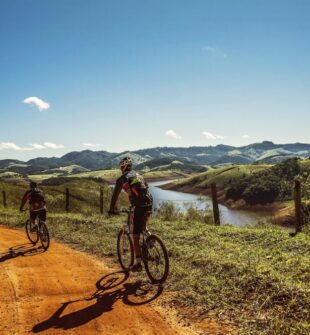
(101, 200)
(67, 200)
(4, 198)
(298, 212)
(216, 211)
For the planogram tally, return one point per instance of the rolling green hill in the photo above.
(265, 152)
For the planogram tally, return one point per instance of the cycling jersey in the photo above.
(35, 199)
(136, 188)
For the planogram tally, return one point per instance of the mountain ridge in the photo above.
(263, 152)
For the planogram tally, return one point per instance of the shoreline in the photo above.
(280, 213)
(221, 198)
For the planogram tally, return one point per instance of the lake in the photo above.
(235, 217)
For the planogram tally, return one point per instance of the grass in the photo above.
(258, 278)
(221, 176)
(84, 194)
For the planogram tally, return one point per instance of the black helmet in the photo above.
(33, 184)
(125, 164)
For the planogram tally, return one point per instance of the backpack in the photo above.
(139, 189)
(36, 196)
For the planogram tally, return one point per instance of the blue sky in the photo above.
(130, 74)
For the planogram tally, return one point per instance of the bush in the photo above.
(266, 186)
(168, 211)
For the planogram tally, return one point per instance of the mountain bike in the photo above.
(154, 254)
(37, 229)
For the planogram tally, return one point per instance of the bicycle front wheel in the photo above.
(32, 231)
(44, 236)
(156, 260)
(125, 250)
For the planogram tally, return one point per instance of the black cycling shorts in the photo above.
(141, 215)
(41, 214)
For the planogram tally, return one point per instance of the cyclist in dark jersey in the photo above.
(140, 198)
(37, 204)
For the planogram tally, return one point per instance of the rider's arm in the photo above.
(24, 200)
(116, 193)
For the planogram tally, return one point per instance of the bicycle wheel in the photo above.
(32, 231)
(125, 250)
(156, 260)
(44, 236)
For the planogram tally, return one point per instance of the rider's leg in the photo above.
(137, 230)
(136, 244)
(33, 216)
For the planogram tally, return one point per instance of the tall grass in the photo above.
(257, 278)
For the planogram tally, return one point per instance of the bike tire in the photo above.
(44, 236)
(153, 245)
(33, 237)
(128, 250)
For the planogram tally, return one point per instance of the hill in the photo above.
(264, 152)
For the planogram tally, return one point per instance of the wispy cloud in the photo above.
(210, 136)
(12, 146)
(245, 136)
(53, 145)
(215, 51)
(172, 134)
(37, 102)
(31, 147)
(37, 146)
(91, 145)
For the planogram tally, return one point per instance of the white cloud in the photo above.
(210, 136)
(15, 147)
(53, 145)
(9, 146)
(172, 134)
(37, 146)
(215, 51)
(91, 145)
(39, 103)
(245, 136)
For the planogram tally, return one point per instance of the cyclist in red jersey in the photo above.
(140, 198)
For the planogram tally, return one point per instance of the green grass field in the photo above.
(258, 279)
(108, 175)
(222, 175)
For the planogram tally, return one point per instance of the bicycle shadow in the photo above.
(27, 249)
(110, 289)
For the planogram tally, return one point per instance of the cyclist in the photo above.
(35, 198)
(141, 200)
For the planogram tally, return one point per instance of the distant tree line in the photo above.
(266, 186)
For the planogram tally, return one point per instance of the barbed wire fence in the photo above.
(301, 202)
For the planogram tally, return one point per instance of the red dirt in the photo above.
(64, 291)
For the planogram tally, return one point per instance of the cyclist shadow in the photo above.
(26, 249)
(110, 289)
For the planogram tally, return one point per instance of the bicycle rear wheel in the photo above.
(44, 236)
(32, 231)
(125, 250)
(156, 260)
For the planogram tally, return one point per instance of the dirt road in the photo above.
(64, 291)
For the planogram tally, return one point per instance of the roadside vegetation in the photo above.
(255, 278)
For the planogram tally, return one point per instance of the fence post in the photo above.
(298, 212)
(4, 198)
(67, 200)
(216, 211)
(101, 200)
